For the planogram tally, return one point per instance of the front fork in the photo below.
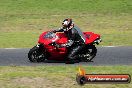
(40, 46)
(42, 49)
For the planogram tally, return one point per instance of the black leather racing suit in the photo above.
(76, 41)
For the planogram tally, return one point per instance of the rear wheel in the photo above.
(36, 55)
(89, 53)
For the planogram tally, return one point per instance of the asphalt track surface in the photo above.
(105, 56)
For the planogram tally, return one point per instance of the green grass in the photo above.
(44, 6)
(56, 76)
(21, 21)
(29, 39)
(18, 39)
(25, 32)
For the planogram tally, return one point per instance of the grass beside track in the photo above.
(56, 76)
(21, 21)
(20, 39)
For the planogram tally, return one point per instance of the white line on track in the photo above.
(109, 46)
(12, 48)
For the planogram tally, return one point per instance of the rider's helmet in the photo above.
(67, 23)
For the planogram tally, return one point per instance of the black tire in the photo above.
(36, 55)
(89, 53)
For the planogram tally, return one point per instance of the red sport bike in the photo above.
(46, 49)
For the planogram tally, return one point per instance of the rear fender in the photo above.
(92, 38)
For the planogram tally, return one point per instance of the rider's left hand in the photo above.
(54, 31)
(58, 46)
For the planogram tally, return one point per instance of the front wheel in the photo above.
(36, 55)
(89, 53)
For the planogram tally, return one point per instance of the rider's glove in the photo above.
(54, 31)
(68, 44)
(58, 46)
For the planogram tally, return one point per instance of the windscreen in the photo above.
(50, 35)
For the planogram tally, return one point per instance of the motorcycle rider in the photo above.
(76, 41)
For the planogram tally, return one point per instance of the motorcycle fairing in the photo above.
(60, 38)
